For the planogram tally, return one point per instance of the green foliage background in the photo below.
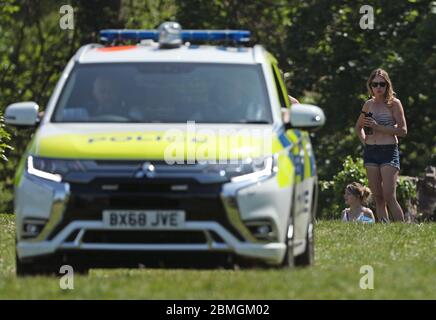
(326, 57)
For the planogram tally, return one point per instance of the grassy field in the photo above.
(403, 257)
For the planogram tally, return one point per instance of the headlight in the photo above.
(259, 168)
(246, 169)
(51, 169)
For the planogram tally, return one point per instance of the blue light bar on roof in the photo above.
(110, 35)
(216, 35)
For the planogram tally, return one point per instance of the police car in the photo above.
(158, 148)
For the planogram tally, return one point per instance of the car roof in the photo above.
(151, 52)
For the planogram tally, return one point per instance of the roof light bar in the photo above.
(110, 35)
(216, 35)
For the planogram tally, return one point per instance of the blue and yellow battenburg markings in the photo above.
(310, 155)
(295, 136)
(298, 142)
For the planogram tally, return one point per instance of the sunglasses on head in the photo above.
(382, 84)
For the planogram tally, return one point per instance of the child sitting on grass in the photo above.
(355, 196)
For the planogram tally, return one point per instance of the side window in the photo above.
(283, 97)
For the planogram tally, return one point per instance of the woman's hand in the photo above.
(370, 122)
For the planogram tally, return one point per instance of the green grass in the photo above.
(403, 257)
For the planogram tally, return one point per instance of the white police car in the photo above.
(166, 151)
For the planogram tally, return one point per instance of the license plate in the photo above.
(147, 219)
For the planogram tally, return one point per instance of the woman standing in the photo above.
(380, 122)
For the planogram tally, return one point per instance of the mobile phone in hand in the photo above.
(368, 130)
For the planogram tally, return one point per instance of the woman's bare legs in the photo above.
(389, 178)
(375, 184)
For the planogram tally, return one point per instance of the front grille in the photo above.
(201, 202)
(149, 186)
(145, 237)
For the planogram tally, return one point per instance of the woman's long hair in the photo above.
(360, 191)
(389, 92)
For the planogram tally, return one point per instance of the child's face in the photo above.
(350, 199)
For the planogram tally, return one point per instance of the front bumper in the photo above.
(267, 252)
(216, 216)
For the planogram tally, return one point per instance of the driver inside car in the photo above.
(104, 103)
(107, 98)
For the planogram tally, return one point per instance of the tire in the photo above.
(32, 268)
(23, 269)
(307, 258)
(81, 270)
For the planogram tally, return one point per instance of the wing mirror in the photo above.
(303, 116)
(23, 114)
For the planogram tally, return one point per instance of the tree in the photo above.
(33, 52)
(330, 54)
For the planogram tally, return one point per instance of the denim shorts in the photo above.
(381, 154)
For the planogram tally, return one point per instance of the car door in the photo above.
(300, 155)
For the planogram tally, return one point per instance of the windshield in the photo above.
(164, 92)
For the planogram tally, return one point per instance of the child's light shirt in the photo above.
(361, 218)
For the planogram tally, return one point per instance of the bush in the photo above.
(332, 192)
(4, 138)
(406, 191)
(331, 199)
(5, 193)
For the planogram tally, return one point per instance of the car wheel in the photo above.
(81, 270)
(308, 256)
(32, 268)
(23, 269)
